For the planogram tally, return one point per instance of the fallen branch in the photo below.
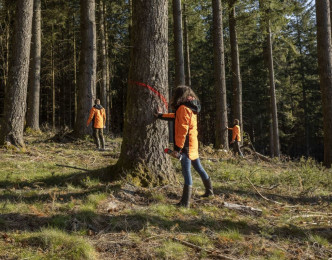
(307, 216)
(243, 208)
(262, 157)
(260, 193)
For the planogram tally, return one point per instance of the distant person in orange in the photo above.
(98, 117)
(236, 137)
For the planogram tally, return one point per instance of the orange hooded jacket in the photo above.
(236, 133)
(185, 128)
(98, 116)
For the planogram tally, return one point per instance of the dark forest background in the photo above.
(294, 53)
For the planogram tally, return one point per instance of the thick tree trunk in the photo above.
(144, 137)
(220, 83)
(15, 102)
(186, 47)
(325, 72)
(34, 74)
(236, 75)
(103, 57)
(178, 43)
(87, 67)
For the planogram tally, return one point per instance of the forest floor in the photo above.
(54, 205)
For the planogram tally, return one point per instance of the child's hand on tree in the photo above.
(159, 111)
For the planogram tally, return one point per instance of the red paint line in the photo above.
(156, 92)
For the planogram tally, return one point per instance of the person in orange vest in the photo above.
(236, 137)
(98, 118)
(186, 105)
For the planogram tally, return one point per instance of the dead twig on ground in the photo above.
(243, 208)
(260, 194)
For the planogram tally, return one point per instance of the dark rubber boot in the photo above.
(103, 144)
(185, 200)
(98, 143)
(208, 188)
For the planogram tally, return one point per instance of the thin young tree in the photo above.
(219, 72)
(235, 60)
(265, 10)
(102, 54)
(325, 72)
(34, 73)
(87, 67)
(144, 137)
(178, 43)
(186, 47)
(15, 101)
(108, 74)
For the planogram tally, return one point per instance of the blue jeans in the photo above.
(186, 169)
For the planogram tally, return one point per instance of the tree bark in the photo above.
(273, 97)
(144, 137)
(236, 75)
(103, 57)
(75, 71)
(53, 79)
(34, 74)
(269, 58)
(15, 102)
(87, 67)
(220, 83)
(325, 72)
(178, 43)
(108, 78)
(186, 47)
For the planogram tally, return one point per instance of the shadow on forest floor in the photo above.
(137, 221)
(285, 198)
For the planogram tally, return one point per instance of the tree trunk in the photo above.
(103, 57)
(186, 47)
(220, 84)
(269, 59)
(75, 71)
(236, 76)
(87, 67)
(34, 74)
(53, 79)
(304, 91)
(144, 137)
(178, 43)
(273, 94)
(325, 73)
(15, 102)
(108, 78)
(6, 76)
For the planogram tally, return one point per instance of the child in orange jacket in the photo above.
(236, 137)
(187, 106)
